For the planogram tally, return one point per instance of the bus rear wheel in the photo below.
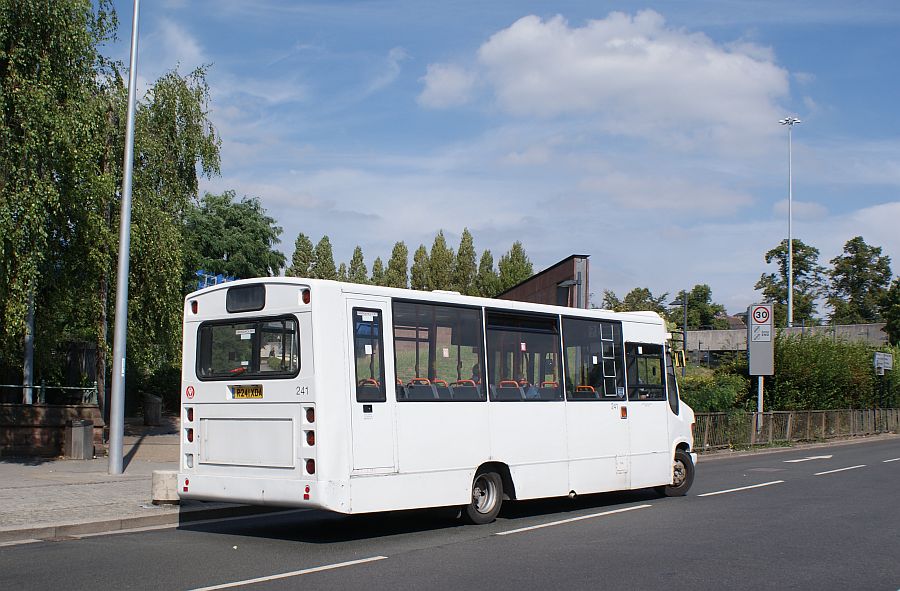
(487, 496)
(682, 476)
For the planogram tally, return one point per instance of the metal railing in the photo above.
(718, 430)
(42, 394)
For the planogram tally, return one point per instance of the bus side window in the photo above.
(645, 372)
(671, 383)
(369, 355)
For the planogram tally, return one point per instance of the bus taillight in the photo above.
(310, 415)
(190, 415)
(194, 306)
(190, 435)
(310, 466)
(310, 438)
(305, 296)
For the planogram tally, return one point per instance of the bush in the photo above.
(714, 393)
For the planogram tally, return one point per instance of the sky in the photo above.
(644, 134)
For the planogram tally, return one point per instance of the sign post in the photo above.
(760, 349)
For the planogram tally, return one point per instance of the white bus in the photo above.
(356, 398)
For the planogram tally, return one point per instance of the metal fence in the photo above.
(41, 394)
(717, 430)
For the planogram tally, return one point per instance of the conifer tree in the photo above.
(324, 261)
(397, 274)
(487, 283)
(358, 272)
(342, 273)
(303, 259)
(378, 272)
(464, 269)
(440, 264)
(420, 269)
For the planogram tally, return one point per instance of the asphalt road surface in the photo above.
(798, 520)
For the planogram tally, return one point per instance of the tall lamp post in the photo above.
(683, 303)
(790, 122)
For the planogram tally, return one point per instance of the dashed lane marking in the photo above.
(295, 573)
(562, 521)
(891, 460)
(840, 470)
(731, 490)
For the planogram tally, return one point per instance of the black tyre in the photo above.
(682, 476)
(487, 496)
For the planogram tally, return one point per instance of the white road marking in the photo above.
(295, 573)
(891, 460)
(807, 459)
(840, 470)
(562, 521)
(731, 490)
(17, 543)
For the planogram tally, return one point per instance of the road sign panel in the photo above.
(761, 315)
(760, 342)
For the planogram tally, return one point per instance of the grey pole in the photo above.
(117, 402)
(28, 368)
(684, 335)
(790, 121)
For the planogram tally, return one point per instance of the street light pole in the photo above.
(790, 122)
(117, 395)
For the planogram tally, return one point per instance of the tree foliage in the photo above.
(378, 277)
(420, 269)
(303, 260)
(890, 311)
(703, 313)
(860, 277)
(440, 264)
(487, 282)
(234, 238)
(636, 300)
(464, 268)
(515, 267)
(397, 274)
(808, 282)
(323, 268)
(358, 272)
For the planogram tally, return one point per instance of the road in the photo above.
(818, 523)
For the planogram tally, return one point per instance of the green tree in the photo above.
(303, 259)
(397, 274)
(420, 268)
(638, 299)
(378, 277)
(234, 238)
(324, 261)
(358, 272)
(440, 264)
(859, 281)
(464, 268)
(515, 267)
(890, 311)
(342, 274)
(487, 282)
(807, 282)
(703, 313)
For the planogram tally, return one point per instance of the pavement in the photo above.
(52, 498)
(43, 498)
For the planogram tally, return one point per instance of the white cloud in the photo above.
(633, 75)
(390, 70)
(446, 85)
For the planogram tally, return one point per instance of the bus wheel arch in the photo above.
(489, 489)
(682, 474)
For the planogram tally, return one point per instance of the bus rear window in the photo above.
(258, 348)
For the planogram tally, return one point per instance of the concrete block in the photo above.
(164, 487)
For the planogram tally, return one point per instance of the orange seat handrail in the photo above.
(549, 384)
(464, 383)
(438, 382)
(508, 384)
(369, 382)
(420, 382)
(585, 389)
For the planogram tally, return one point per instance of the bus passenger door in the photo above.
(648, 419)
(372, 370)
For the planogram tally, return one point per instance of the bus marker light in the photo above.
(194, 306)
(186, 482)
(311, 466)
(305, 296)
(306, 493)
(624, 412)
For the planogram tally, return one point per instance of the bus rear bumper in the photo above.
(275, 492)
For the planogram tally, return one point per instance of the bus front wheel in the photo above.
(682, 476)
(487, 496)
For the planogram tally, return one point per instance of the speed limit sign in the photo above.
(761, 315)
(760, 340)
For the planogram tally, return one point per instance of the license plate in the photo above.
(244, 392)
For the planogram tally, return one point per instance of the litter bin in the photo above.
(79, 439)
(152, 410)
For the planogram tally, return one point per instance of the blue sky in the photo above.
(642, 133)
